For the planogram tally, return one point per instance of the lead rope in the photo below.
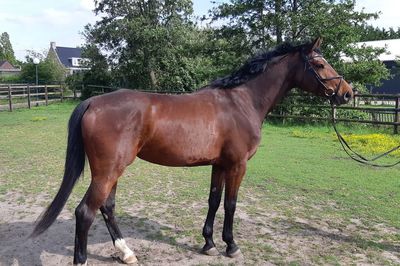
(356, 156)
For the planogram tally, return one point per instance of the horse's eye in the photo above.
(319, 65)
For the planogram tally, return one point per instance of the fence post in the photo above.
(62, 93)
(29, 96)
(396, 115)
(46, 97)
(9, 98)
(334, 112)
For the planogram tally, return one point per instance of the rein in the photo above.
(330, 93)
(356, 156)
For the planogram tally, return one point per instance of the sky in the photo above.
(33, 24)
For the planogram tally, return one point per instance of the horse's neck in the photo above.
(269, 88)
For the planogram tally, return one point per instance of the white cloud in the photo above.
(388, 13)
(53, 17)
(87, 4)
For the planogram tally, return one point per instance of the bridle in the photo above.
(330, 93)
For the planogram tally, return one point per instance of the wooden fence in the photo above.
(376, 109)
(25, 96)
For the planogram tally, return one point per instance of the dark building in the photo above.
(391, 59)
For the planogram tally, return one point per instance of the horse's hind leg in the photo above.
(107, 210)
(217, 185)
(94, 198)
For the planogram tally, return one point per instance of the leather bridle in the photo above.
(329, 92)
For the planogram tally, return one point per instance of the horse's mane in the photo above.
(255, 66)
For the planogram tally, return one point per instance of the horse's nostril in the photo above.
(347, 96)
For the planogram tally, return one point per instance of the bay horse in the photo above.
(218, 125)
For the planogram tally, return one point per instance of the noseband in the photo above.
(329, 92)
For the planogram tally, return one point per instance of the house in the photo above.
(390, 59)
(68, 58)
(7, 69)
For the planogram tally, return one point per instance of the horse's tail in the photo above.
(74, 166)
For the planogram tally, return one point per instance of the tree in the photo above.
(371, 33)
(48, 70)
(98, 72)
(148, 44)
(269, 22)
(6, 50)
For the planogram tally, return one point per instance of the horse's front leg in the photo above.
(217, 184)
(233, 178)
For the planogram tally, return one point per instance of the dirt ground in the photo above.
(295, 241)
(55, 246)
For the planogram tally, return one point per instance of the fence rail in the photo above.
(26, 96)
(376, 109)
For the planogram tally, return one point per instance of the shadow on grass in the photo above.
(17, 249)
(307, 230)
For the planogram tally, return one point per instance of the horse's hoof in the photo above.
(81, 264)
(211, 252)
(131, 259)
(234, 253)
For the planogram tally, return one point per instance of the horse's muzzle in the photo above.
(344, 98)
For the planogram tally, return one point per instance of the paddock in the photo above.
(302, 202)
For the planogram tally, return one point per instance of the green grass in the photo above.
(299, 172)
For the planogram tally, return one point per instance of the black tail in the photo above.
(74, 165)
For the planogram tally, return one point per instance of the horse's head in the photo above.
(317, 76)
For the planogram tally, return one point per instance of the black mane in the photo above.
(254, 66)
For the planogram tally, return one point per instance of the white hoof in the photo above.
(212, 252)
(130, 259)
(79, 264)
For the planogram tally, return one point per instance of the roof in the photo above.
(392, 47)
(7, 66)
(65, 53)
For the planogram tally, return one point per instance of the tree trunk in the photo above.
(278, 24)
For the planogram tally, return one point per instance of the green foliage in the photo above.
(6, 50)
(10, 79)
(269, 22)
(155, 45)
(97, 72)
(48, 71)
(371, 33)
(148, 44)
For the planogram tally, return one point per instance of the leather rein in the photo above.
(330, 93)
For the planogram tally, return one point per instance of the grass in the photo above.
(300, 186)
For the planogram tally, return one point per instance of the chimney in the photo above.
(53, 45)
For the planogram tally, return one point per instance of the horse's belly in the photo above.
(181, 149)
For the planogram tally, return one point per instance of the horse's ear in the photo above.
(314, 45)
(317, 43)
